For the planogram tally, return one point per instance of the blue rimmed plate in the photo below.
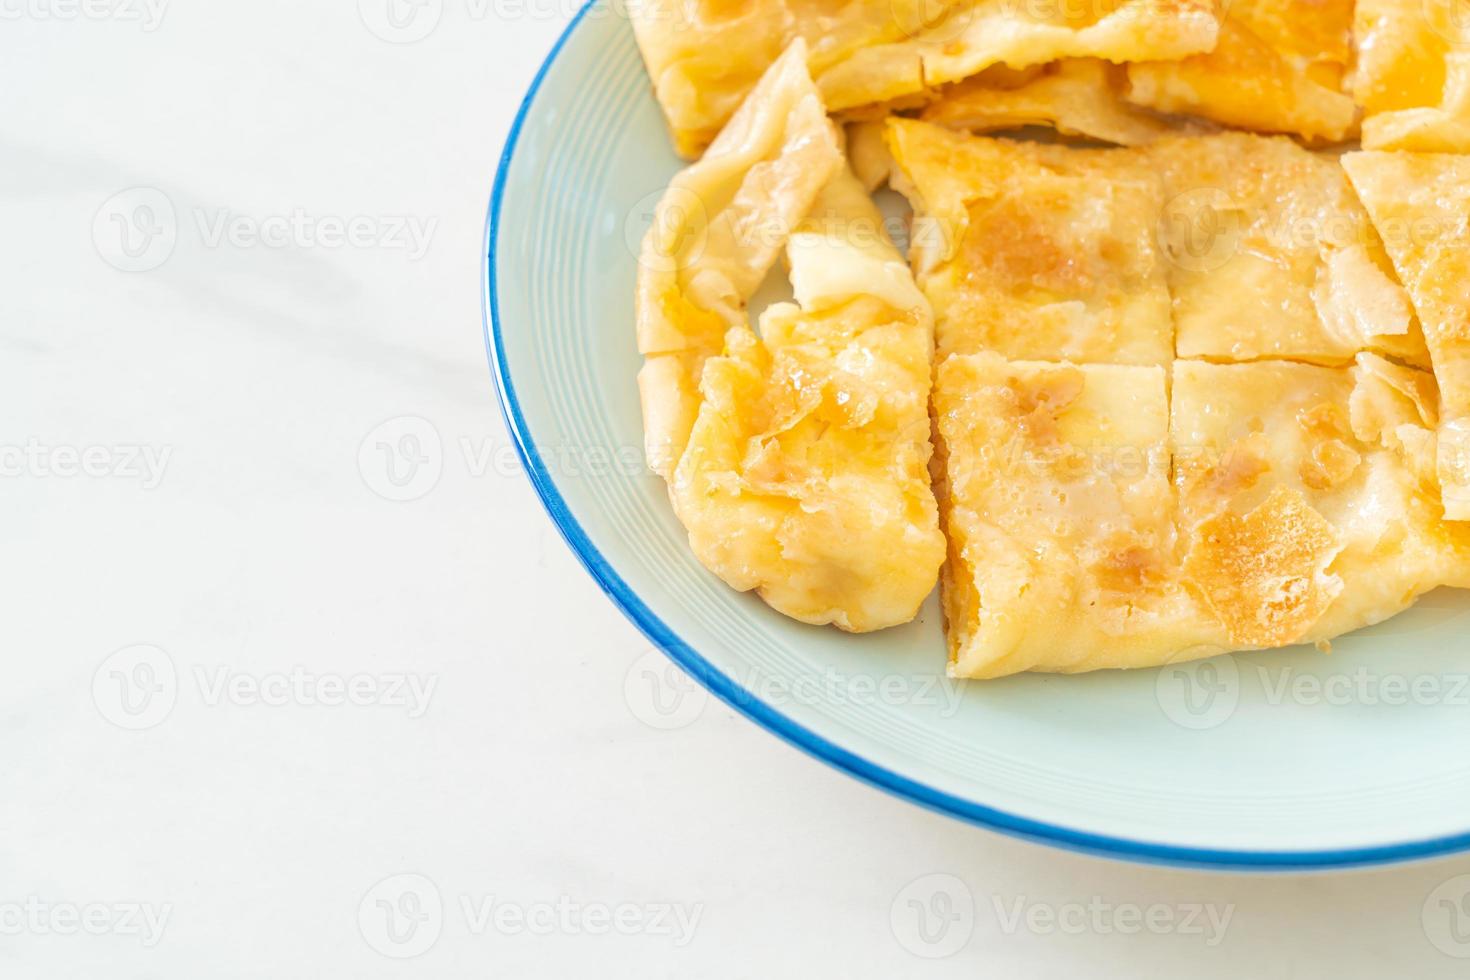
(1290, 759)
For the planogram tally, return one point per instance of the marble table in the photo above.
(299, 680)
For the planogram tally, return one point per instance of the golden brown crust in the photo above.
(1060, 518)
(1264, 574)
(1038, 253)
(1278, 68)
(1300, 506)
(1272, 256)
(704, 56)
(1078, 97)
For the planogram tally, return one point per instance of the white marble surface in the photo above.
(200, 551)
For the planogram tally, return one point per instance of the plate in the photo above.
(1288, 759)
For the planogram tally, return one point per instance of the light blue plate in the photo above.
(1284, 760)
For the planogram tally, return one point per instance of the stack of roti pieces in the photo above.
(1148, 388)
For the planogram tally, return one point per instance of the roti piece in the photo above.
(1303, 510)
(806, 475)
(1050, 252)
(1413, 74)
(705, 55)
(1278, 68)
(798, 461)
(1298, 509)
(1080, 97)
(716, 233)
(1061, 520)
(1272, 256)
(1039, 253)
(1421, 205)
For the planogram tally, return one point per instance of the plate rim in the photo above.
(793, 733)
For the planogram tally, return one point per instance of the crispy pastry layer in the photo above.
(797, 459)
(704, 56)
